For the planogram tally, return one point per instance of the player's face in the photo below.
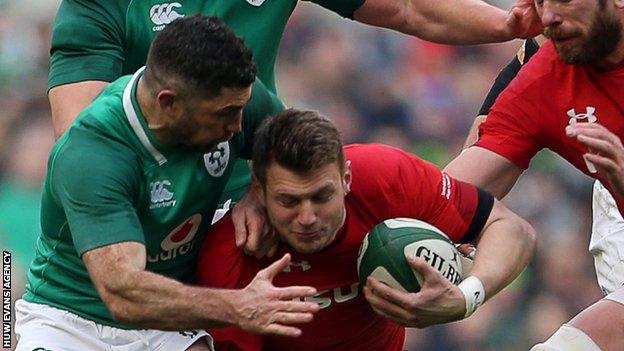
(583, 31)
(207, 122)
(307, 210)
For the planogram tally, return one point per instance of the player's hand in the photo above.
(262, 308)
(438, 301)
(606, 152)
(523, 21)
(252, 230)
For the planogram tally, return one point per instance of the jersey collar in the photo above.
(137, 120)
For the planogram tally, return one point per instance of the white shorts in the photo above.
(607, 240)
(43, 327)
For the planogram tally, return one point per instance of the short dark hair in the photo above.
(199, 54)
(300, 141)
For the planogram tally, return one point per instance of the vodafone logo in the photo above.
(182, 234)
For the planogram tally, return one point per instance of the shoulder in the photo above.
(379, 160)
(384, 172)
(536, 72)
(105, 13)
(262, 101)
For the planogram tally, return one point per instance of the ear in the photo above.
(258, 189)
(347, 177)
(170, 103)
(619, 3)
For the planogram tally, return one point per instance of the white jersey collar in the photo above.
(133, 118)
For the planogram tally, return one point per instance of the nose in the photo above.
(307, 214)
(550, 15)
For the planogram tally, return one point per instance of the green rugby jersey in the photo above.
(103, 39)
(109, 180)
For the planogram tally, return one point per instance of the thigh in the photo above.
(43, 327)
(603, 322)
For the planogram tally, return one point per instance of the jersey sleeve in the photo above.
(512, 128)
(87, 42)
(407, 186)
(95, 181)
(344, 8)
(263, 103)
(529, 47)
(222, 265)
(457, 208)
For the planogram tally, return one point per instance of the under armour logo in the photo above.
(162, 14)
(578, 117)
(304, 265)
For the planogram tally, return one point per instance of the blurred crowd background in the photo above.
(378, 86)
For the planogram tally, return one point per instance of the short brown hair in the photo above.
(300, 141)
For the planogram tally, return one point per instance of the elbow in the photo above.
(122, 309)
(530, 239)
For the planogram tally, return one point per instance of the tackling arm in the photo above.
(148, 300)
(452, 22)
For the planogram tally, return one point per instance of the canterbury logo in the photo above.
(160, 196)
(162, 14)
(255, 2)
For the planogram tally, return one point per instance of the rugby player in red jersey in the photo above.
(569, 98)
(322, 199)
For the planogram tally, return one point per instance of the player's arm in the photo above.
(100, 203)
(466, 214)
(252, 230)
(222, 264)
(148, 300)
(86, 53)
(485, 169)
(67, 100)
(505, 246)
(452, 22)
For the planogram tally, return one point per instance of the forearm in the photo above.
(458, 22)
(446, 22)
(149, 300)
(505, 248)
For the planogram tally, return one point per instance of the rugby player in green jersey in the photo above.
(96, 41)
(131, 188)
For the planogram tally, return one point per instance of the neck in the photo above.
(146, 102)
(614, 61)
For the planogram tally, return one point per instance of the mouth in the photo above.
(563, 40)
(310, 235)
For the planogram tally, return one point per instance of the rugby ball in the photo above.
(384, 249)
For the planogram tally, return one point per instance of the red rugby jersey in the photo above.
(387, 183)
(546, 96)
